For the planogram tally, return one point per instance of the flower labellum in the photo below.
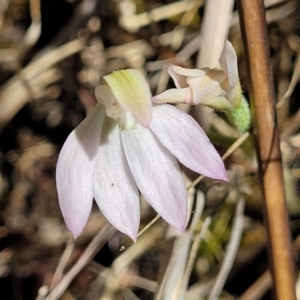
(126, 146)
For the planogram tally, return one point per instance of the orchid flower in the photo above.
(218, 87)
(125, 146)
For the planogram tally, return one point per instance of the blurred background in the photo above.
(53, 54)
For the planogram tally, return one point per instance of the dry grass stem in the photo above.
(231, 250)
(293, 82)
(95, 245)
(267, 137)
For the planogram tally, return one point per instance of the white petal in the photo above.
(157, 175)
(207, 87)
(186, 140)
(75, 168)
(114, 188)
(179, 75)
(174, 96)
(104, 95)
(228, 62)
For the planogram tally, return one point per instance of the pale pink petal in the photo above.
(174, 96)
(207, 87)
(114, 188)
(179, 80)
(180, 74)
(228, 62)
(75, 168)
(157, 175)
(186, 140)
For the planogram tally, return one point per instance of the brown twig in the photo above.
(261, 91)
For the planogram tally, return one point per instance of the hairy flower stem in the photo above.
(266, 134)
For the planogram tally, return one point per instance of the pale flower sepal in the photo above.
(115, 191)
(75, 171)
(228, 63)
(187, 141)
(157, 175)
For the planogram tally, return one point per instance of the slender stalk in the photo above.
(231, 251)
(266, 134)
(94, 246)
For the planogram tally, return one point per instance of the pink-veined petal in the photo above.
(157, 175)
(174, 96)
(186, 140)
(75, 168)
(114, 188)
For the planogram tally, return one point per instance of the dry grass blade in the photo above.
(118, 271)
(27, 85)
(62, 264)
(135, 22)
(34, 30)
(294, 80)
(231, 251)
(177, 274)
(98, 241)
(259, 288)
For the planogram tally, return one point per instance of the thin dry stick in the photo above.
(258, 288)
(195, 247)
(177, 274)
(95, 245)
(62, 263)
(261, 90)
(264, 282)
(232, 248)
(180, 30)
(15, 94)
(149, 225)
(34, 31)
(294, 81)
